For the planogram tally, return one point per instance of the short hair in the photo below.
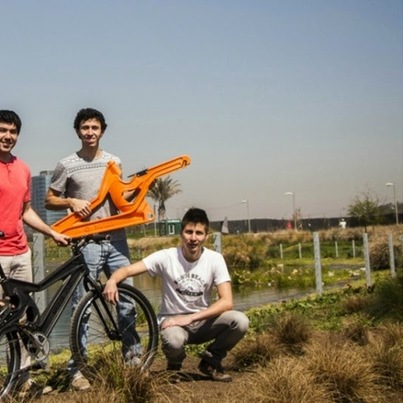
(196, 216)
(10, 117)
(87, 114)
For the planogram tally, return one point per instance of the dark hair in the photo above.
(87, 114)
(196, 216)
(10, 117)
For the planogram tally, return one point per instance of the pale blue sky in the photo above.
(266, 97)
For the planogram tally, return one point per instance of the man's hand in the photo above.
(60, 239)
(80, 207)
(110, 292)
(177, 320)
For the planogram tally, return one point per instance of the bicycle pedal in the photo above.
(38, 365)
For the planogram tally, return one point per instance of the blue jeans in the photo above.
(108, 257)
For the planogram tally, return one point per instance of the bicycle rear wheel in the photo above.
(10, 358)
(99, 337)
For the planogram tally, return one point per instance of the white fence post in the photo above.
(336, 249)
(300, 250)
(391, 256)
(318, 267)
(38, 266)
(367, 262)
(281, 251)
(217, 241)
(353, 245)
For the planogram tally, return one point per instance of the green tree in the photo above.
(366, 210)
(163, 189)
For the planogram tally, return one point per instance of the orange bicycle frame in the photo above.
(134, 212)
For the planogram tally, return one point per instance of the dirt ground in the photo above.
(195, 388)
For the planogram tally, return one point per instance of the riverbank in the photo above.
(345, 346)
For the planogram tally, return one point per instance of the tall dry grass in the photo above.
(386, 352)
(286, 380)
(344, 369)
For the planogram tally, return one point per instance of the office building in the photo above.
(40, 185)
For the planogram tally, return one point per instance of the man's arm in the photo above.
(111, 289)
(53, 201)
(31, 218)
(223, 304)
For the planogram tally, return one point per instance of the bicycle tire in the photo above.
(102, 346)
(10, 359)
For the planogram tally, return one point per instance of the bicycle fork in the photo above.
(109, 323)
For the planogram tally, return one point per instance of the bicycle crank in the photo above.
(38, 346)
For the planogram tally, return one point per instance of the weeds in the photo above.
(387, 300)
(286, 380)
(387, 355)
(357, 331)
(344, 370)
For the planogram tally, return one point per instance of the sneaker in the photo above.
(214, 374)
(211, 366)
(174, 374)
(31, 388)
(174, 367)
(132, 360)
(80, 383)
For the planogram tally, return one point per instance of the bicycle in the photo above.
(23, 327)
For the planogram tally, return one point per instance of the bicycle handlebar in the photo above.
(78, 243)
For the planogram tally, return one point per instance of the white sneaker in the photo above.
(132, 359)
(80, 383)
(31, 388)
(133, 362)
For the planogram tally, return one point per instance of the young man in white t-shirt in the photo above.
(187, 315)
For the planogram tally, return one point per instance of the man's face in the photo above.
(193, 237)
(8, 137)
(90, 132)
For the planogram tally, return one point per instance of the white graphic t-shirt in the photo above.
(186, 286)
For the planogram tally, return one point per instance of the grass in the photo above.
(361, 361)
(344, 346)
(318, 349)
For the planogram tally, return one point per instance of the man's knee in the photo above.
(173, 338)
(239, 321)
(243, 322)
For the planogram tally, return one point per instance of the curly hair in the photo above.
(87, 114)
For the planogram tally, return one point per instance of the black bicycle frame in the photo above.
(21, 303)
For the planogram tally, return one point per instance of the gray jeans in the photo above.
(225, 331)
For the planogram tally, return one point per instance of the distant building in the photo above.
(40, 185)
(169, 227)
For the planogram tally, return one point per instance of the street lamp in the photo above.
(394, 200)
(247, 213)
(293, 208)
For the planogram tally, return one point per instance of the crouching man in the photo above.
(187, 315)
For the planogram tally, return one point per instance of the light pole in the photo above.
(247, 213)
(394, 200)
(294, 213)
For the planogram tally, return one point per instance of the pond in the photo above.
(244, 299)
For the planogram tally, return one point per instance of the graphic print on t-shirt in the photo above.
(190, 287)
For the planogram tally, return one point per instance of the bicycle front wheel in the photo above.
(105, 333)
(10, 358)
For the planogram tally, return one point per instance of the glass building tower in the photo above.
(40, 185)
